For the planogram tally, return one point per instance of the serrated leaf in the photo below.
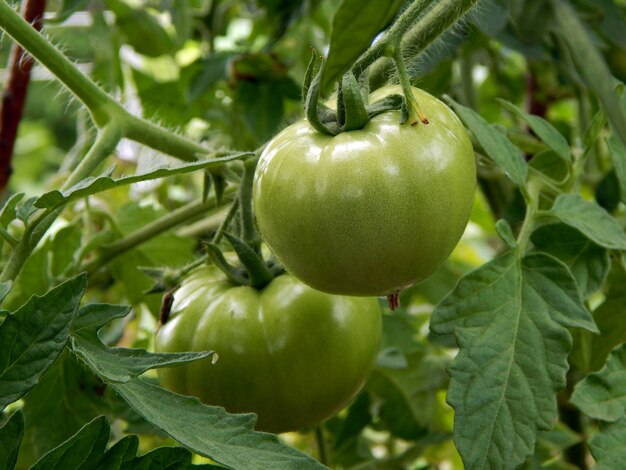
(92, 185)
(607, 446)
(67, 396)
(355, 25)
(121, 454)
(81, 452)
(589, 63)
(590, 219)
(618, 155)
(510, 319)
(602, 395)
(210, 431)
(33, 337)
(497, 145)
(11, 434)
(117, 364)
(588, 262)
(544, 130)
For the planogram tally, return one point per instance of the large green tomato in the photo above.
(290, 354)
(371, 211)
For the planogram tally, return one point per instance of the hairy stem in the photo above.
(37, 46)
(416, 27)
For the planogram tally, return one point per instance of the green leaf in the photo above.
(117, 364)
(510, 319)
(607, 447)
(610, 317)
(506, 233)
(618, 155)
(590, 219)
(355, 25)
(67, 397)
(8, 212)
(210, 431)
(67, 9)
(497, 145)
(589, 63)
(602, 395)
(11, 434)
(544, 130)
(92, 185)
(408, 395)
(550, 164)
(141, 28)
(33, 337)
(589, 263)
(81, 452)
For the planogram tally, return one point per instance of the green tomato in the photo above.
(371, 211)
(290, 354)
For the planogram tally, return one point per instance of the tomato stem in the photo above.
(531, 195)
(420, 25)
(415, 114)
(322, 445)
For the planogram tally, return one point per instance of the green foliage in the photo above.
(32, 338)
(510, 318)
(522, 330)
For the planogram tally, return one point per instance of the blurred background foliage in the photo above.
(228, 73)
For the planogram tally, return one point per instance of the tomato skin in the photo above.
(371, 211)
(293, 355)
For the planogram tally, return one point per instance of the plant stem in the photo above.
(160, 139)
(412, 107)
(532, 204)
(101, 106)
(37, 46)
(322, 445)
(425, 27)
(226, 222)
(392, 37)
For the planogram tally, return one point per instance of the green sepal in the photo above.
(356, 114)
(327, 123)
(219, 183)
(389, 103)
(258, 273)
(217, 257)
(341, 106)
(207, 182)
(275, 267)
(312, 70)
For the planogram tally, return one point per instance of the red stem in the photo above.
(14, 95)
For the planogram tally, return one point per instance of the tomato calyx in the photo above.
(353, 111)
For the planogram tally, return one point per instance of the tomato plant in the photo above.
(128, 193)
(290, 354)
(370, 211)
